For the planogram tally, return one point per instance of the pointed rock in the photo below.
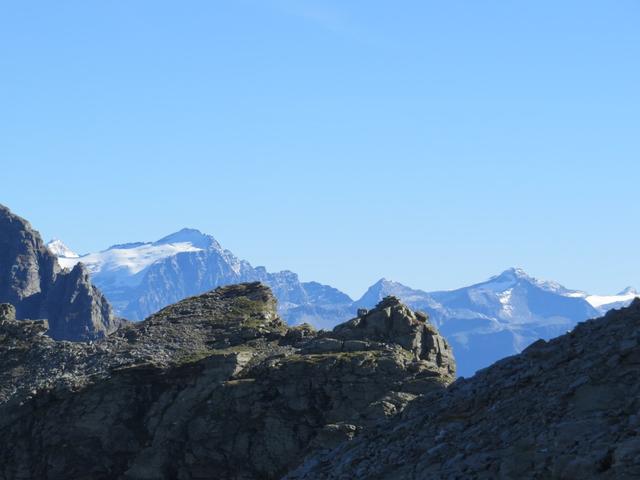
(393, 322)
(32, 281)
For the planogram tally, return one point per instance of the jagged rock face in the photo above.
(215, 386)
(391, 321)
(26, 269)
(31, 280)
(566, 409)
(7, 312)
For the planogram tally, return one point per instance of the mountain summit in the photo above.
(191, 236)
(384, 288)
(516, 274)
(60, 250)
(629, 291)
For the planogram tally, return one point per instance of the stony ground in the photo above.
(565, 409)
(215, 386)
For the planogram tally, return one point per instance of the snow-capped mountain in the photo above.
(142, 277)
(500, 317)
(484, 322)
(125, 264)
(604, 303)
(60, 250)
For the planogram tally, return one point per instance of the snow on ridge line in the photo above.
(598, 301)
(59, 249)
(133, 260)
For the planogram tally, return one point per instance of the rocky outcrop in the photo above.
(564, 409)
(32, 281)
(215, 386)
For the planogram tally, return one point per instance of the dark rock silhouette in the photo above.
(32, 281)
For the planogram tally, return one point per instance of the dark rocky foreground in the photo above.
(564, 409)
(215, 386)
(32, 281)
(218, 387)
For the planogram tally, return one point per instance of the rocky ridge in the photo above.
(564, 409)
(32, 281)
(214, 386)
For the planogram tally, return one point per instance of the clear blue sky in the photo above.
(430, 142)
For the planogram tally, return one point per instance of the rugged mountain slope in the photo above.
(215, 386)
(565, 409)
(140, 278)
(32, 281)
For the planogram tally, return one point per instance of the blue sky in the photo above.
(433, 143)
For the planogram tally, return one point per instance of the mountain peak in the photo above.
(189, 235)
(629, 291)
(511, 276)
(515, 273)
(385, 288)
(59, 249)
(385, 285)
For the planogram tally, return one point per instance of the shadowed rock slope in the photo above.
(32, 281)
(215, 386)
(566, 409)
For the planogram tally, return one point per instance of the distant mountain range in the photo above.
(142, 277)
(484, 322)
(491, 320)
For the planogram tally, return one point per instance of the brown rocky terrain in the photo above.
(32, 281)
(215, 386)
(564, 409)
